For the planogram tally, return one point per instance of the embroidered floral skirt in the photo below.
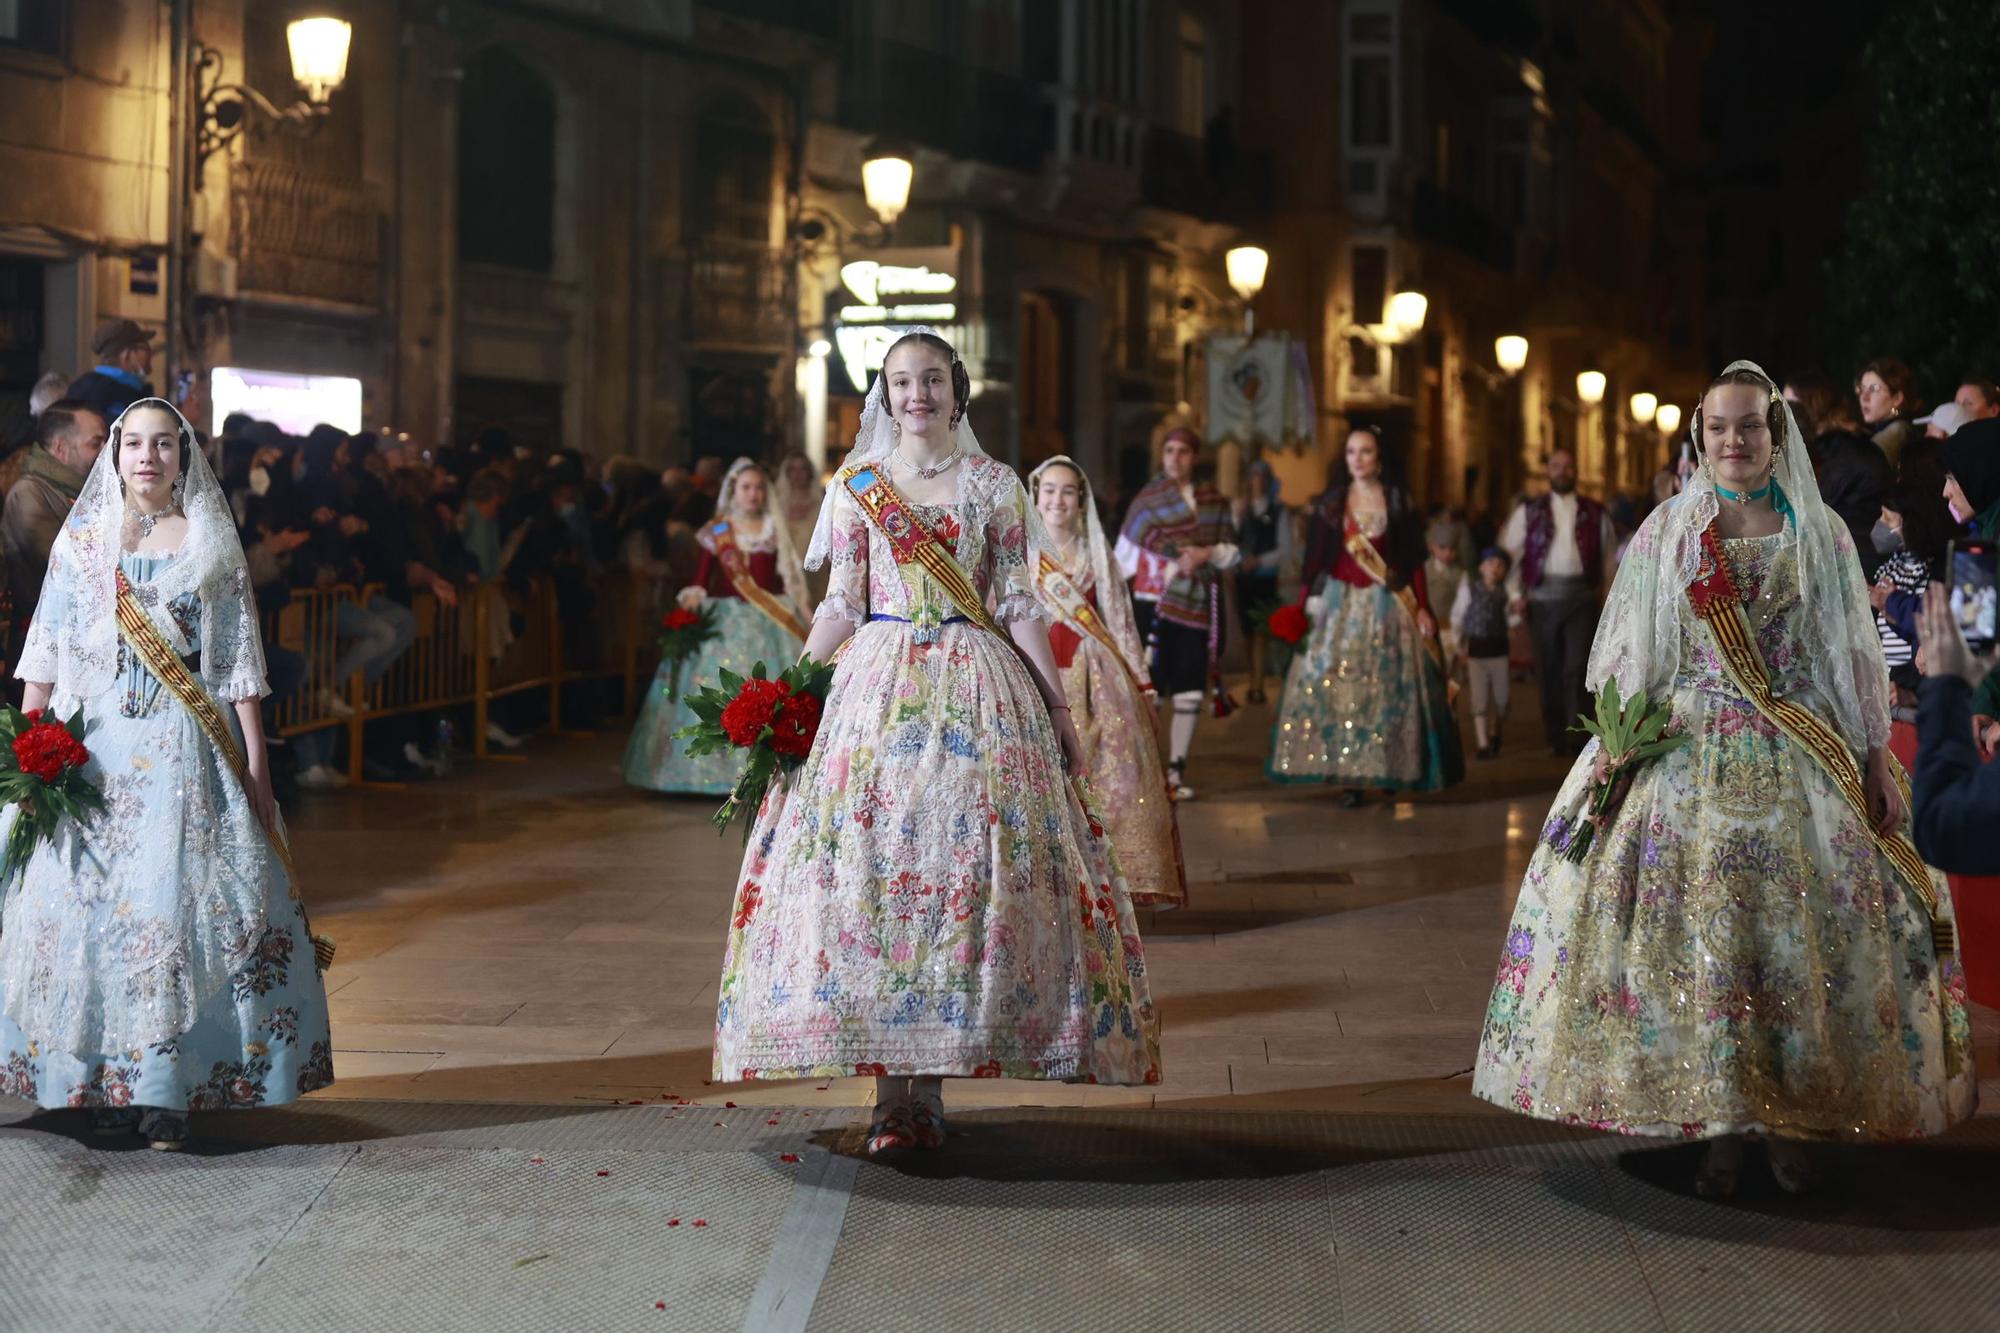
(96, 899)
(1734, 955)
(1128, 782)
(653, 758)
(926, 895)
(1364, 703)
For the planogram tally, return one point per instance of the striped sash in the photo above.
(1068, 599)
(737, 565)
(1719, 603)
(916, 547)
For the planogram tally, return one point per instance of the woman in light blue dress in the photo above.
(751, 579)
(155, 960)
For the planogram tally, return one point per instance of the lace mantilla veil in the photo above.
(1647, 614)
(76, 648)
(1114, 604)
(876, 440)
(789, 569)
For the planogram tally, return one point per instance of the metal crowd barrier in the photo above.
(468, 655)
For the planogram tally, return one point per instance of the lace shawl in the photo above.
(1640, 632)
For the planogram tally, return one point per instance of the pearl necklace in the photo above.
(927, 472)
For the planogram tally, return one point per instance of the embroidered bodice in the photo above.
(986, 530)
(1766, 572)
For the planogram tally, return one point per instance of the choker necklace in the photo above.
(1742, 497)
(147, 522)
(927, 472)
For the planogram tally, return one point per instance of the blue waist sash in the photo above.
(904, 620)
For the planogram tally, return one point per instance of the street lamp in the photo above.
(1510, 350)
(1644, 405)
(1406, 315)
(887, 169)
(1590, 387)
(319, 48)
(1247, 266)
(1668, 417)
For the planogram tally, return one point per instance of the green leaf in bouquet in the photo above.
(757, 672)
(730, 681)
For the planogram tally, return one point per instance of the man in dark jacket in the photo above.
(1957, 798)
(124, 350)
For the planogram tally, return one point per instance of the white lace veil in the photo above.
(1114, 601)
(1639, 637)
(876, 440)
(73, 642)
(789, 570)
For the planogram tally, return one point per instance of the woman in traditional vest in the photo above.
(749, 576)
(154, 960)
(1096, 646)
(1750, 946)
(926, 897)
(1365, 702)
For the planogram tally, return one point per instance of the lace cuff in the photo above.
(839, 606)
(239, 687)
(1018, 606)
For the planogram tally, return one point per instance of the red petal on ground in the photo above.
(730, 1105)
(788, 1157)
(673, 1221)
(700, 1222)
(603, 1173)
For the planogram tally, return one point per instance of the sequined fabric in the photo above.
(925, 895)
(1735, 955)
(1363, 705)
(158, 949)
(1121, 746)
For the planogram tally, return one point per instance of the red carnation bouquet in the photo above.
(773, 720)
(41, 770)
(1284, 621)
(682, 632)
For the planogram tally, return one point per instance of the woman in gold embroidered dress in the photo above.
(1095, 639)
(1745, 950)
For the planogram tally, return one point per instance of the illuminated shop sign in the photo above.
(888, 300)
(293, 403)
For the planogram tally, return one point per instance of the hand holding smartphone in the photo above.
(1972, 573)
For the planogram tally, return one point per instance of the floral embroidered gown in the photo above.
(1735, 955)
(1364, 704)
(1121, 746)
(744, 637)
(925, 896)
(109, 911)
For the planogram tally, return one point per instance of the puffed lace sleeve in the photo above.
(232, 645)
(847, 564)
(1013, 578)
(38, 653)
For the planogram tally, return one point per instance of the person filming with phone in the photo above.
(1957, 797)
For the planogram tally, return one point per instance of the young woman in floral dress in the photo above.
(750, 578)
(1096, 644)
(154, 960)
(1751, 946)
(926, 898)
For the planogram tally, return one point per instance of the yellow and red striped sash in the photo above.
(1373, 565)
(737, 565)
(913, 544)
(1070, 603)
(1719, 603)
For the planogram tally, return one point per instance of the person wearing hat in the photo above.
(1944, 422)
(124, 351)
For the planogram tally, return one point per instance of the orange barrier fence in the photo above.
(493, 644)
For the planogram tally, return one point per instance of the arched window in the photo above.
(506, 164)
(730, 196)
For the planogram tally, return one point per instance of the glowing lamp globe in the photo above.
(886, 174)
(1247, 266)
(1590, 387)
(1406, 314)
(1644, 405)
(1510, 351)
(1668, 417)
(319, 54)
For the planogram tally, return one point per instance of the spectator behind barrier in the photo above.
(1957, 798)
